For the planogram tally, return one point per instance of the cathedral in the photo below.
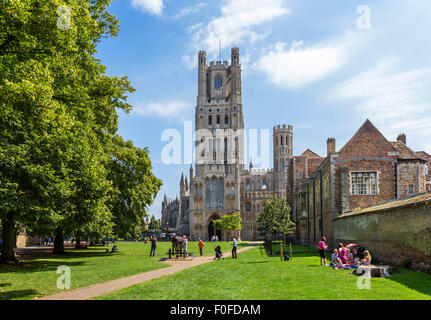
(219, 184)
(369, 170)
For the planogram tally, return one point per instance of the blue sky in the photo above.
(305, 63)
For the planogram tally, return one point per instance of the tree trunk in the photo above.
(9, 241)
(77, 242)
(58, 241)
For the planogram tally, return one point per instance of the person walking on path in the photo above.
(322, 248)
(201, 246)
(234, 244)
(153, 240)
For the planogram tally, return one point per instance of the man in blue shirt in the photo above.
(234, 244)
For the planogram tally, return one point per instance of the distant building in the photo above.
(367, 171)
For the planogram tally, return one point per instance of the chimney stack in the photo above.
(330, 145)
(402, 138)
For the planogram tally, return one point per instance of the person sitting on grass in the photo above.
(367, 259)
(334, 258)
(218, 253)
(338, 264)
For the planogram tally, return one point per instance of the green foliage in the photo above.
(275, 218)
(230, 222)
(59, 151)
(135, 187)
(154, 224)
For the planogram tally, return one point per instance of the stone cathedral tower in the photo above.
(219, 152)
(283, 155)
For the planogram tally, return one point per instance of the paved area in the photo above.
(101, 289)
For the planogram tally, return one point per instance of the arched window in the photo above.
(218, 82)
(220, 194)
(247, 185)
(214, 193)
(264, 184)
(226, 119)
(210, 120)
(248, 207)
(281, 141)
(207, 194)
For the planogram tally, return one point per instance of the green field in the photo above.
(256, 276)
(37, 277)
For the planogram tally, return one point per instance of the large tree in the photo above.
(275, 218)
(134, 187)
(230, 222)
(58, 118)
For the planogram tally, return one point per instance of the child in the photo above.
(322, 248)
(219, 254)
(339, 264)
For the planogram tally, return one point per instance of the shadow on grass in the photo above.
(420, 282)
(8, 295)
(255, 262)
(32, 266)
(5, 285)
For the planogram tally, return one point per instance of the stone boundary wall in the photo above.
(393, 235)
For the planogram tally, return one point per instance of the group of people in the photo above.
(219, 254)
(344, 257)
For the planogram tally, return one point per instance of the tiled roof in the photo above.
(405, 152)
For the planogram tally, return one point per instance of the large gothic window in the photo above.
(207, 194)
(214, 193)
(220, 194)
(264, 184)
(218, 82)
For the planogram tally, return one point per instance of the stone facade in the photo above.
(367, 171)
(221, 185)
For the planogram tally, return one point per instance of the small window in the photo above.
(218, 119)
(226, 119)
(411, 189)
(210, 120)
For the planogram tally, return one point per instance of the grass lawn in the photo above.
(257, 276)
(37, 277)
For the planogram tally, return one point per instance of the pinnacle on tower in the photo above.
(182, 179)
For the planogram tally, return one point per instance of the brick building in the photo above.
(367, 171)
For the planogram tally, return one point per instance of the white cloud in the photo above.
(173, 109)
(154, 7)
(298, 66)
(189, 10)
(396, 101)
(238, 23)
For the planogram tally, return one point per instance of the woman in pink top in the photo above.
(322, 248)
(342, 253)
